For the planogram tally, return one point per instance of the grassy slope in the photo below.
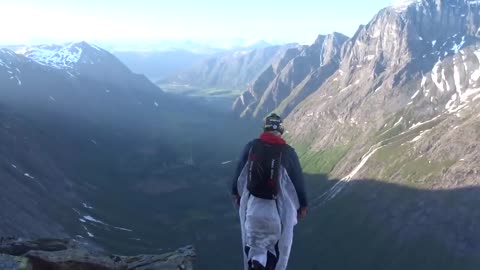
(201, 92)
(354, 231)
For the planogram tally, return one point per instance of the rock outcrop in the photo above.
(65, 254)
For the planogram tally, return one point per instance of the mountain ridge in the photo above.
(231, 70)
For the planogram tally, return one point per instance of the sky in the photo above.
(148, 21)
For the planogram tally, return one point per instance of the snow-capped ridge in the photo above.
(64, 56)
(402, 5)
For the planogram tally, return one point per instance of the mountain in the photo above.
(396, 75)
(82, 59)
(397, 125)
(208, 46)
(292, 77)
(94, 151)
(232, 70)
(55, 101)
(163, 60)
(77, 80)
(158, 65)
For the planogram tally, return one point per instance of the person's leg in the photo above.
(272, 259)
(254, 265)
(258, 239)
(263, 229)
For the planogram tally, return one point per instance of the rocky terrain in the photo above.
(45, 253)
(401, 98)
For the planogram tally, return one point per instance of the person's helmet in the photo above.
(273, 122)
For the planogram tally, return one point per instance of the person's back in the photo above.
(268, 171)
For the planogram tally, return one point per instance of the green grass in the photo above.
(200, 91)
(222, 92)
(322, 162)
(414, 171)
(392, 132)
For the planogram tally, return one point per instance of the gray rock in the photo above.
(66, 254)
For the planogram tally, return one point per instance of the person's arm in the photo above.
(296, 175)
(241, 163)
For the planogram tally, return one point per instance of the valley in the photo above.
(385, 123)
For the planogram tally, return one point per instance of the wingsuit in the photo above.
(267, 222)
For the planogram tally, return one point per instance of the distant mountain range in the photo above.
(164, 61)
(158, 65)
(232, 70)
(208, 46)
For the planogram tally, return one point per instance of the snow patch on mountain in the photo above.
(54, 55)
(402, 5)
(398, 122)
(416, 94)
(93, 220)
(340, 185)
(29, 176)
(85, 205)
(462, 83)
(88, 232)
(456, 47)
(423, 123)
(435, 78)
(422, 133)
(7, 61)
(3, 64)
(476, 74)
(61, 56)
(457, 78)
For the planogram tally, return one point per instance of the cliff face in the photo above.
(400, 87)
(291, 78)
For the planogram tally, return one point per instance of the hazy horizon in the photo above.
(208, 22)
